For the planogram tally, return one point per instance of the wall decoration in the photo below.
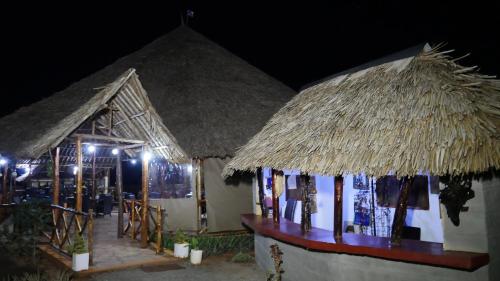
(388, 192)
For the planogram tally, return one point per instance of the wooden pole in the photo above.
(94, 187)
(4, 183)
(262, 199)
(90, 236)
(132, 219)
(158, 230)
(305, 219)
(13, 176)
(119, 191)
(276, 200)
(56, 185)
(145, 193)
(337, 208)
(79, 176)
(400, 213)
(199, 188)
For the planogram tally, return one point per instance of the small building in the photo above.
(208, 101)
(328, 157)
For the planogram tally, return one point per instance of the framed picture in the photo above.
(387, 190)
(294, 185)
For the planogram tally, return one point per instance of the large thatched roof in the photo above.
(134, 118)
(421, 113)
(210, 100)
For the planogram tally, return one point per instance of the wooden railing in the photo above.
(155, 213)
(68, 222)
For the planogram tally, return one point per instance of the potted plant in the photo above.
(196, 253)
(80, 254)
(181, 244)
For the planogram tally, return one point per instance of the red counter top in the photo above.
(412, 251)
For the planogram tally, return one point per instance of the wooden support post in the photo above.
(79, 174)
(90, 236)
(145, 193)
(119, 194)
(305, 220)
(132, 206)
(400, 213)
(4, 183)
(13, 176)
(158, 230)
(56, 186)
(262, 199)
(337, 208)
(276, 200)
(94, 187)
(199, 188)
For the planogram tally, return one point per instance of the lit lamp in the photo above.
(133, 161)
(91, 148)
(3, 161)
(75, 170)
(146, 155)
(115, 151)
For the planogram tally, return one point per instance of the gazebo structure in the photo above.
(210, 100)
(416, 114)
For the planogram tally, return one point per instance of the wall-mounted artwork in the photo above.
(294, 185)
(360, 182)
(388, 192)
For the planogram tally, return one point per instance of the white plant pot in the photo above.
(196, 256)
(80, 262)
(181, 250)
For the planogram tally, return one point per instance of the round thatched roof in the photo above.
(211, 100)
(423, 113)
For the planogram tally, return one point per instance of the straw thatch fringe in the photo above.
(417, 114)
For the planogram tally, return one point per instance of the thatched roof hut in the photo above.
(211, 101)
(423, 112)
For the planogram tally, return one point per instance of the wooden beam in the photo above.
(276, 200)
(108, 138)
(145, 197)
(56, 185)
(110, 128)
(119, 191)
(337, 208)
(79, 174)
(400, 213)
(94, 186)
(199, 187)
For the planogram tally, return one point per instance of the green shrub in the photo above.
(194, 243)
(181, 237)
(79, 246)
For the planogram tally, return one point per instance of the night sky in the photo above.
(47, 51)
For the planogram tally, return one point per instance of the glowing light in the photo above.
(115, 151)
(146, 155)
(75, 170)
(27, 170)
(91, 148)
(133, 161)
(3, 161)
(190, 168)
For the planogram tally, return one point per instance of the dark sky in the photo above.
(297, 44)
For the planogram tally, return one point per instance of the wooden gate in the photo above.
(155, 229)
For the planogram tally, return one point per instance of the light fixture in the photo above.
(115, 151)
(3, 161)
(190, 168)
(91, 148)
(75, 170)
(27, 170)
(146, 155)
(133, 161)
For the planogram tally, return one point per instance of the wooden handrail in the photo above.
(155, 213)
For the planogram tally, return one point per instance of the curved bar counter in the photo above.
(411, 251)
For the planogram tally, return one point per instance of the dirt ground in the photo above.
(212, 268)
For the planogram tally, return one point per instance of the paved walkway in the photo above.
(109, 251)
(212, 268)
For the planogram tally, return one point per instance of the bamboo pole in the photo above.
(400, 213)
(119, 191)
(262, 201)
(145, 193)
(305, 219)
(158, 230)
(276, 215)
(337, 208)
(90, 236)
(56, 188)
(132, 206)
(79, 176)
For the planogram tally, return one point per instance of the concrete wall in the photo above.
(301, 264)
(181, 213)
(479, 229)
